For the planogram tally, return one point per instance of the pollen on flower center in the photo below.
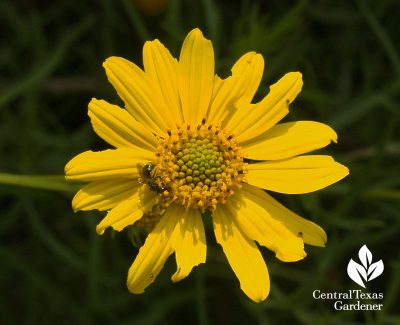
(200, 167)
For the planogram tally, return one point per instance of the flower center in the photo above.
(199, 168)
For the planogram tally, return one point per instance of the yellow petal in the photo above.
(296, 175)
(241, 86)
(127, 212)
(257, 223)
(142, 100)
(196, 68)
(217, 84)
(288, 140)
(153, 254)
(117, 163)
(215, 114)
(243, 255)
(188, 241)
(118, 127)
(254, 119)
(311, 233)
(249, 70)
(104, 195)
(162, 70)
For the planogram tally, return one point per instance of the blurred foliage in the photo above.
(54, 268)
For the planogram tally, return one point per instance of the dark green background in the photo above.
(53, 266)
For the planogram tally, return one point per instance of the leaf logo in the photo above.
(366, 271)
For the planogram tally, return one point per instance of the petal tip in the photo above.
(332, 133)
(111, 60)
(100, 229)
(319, 239)
(68, 167)
(196, 31)
(297, 75)
(294, 257)
(94, 101)
(75, 204)
(133, 288)
(343, 171)
(106, 63)
(297, 78)
(260, 297)
(176, 277)
(148, 44)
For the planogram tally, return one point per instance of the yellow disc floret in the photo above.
(199, 167)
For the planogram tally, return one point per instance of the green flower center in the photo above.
(200, 163)
(200, 168)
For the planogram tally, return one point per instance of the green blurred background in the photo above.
(53, 266)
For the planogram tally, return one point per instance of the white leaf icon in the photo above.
(354, 270)
(375, 270)
(365, 256)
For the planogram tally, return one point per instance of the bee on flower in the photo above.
(204, 146)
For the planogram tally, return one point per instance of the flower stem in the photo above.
(48, 182)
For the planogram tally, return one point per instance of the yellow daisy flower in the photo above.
(184, 145)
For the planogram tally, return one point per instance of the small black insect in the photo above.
(147, 171)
